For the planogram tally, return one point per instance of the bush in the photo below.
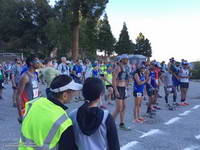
(196, 70)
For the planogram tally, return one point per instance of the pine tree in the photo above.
(124, 44)
(105, 39)
(143, 46)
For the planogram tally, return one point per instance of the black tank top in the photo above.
(123, 75)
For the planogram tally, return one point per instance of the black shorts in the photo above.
(184, 85)
(1, 84)
(108, 86)
(138, 94)
(150, 90)
(122, 93)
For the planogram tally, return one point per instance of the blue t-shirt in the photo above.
(153, 79)
(137, 87)
(95, 73)
(78, 69)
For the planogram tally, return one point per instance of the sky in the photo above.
(172, 26)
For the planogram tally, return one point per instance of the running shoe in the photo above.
(175, 104)
(156, 107)
(170, 107)
(123, 127)
(182, 104)
(186, 103)
(137, 121)
(141, 119)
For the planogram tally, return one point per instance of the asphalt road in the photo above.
(168, 130)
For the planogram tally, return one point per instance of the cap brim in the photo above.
(75, 86)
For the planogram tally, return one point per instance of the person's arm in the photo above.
(139, 82)
(13, 80)
(22, 83)
(67, 140)
(114, 80)
(112, 136)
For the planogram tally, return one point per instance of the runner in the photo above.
(120, 82)
(63, 67)
(8, 70)
(15, 77)
(108, 83)
(46, 124)
(184, 76)
(28, 88)
(49, 73)
(94, 128)
(140, 79)
(2, 77)
(77, 72)
(150, 88)
(95, 71)
(166, 79)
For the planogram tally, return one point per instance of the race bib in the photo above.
(35, 93)
(169, 89)
(139, 94)
(35, 89)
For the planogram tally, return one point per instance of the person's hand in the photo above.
(117, 93)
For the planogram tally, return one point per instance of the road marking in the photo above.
(185, 113)
(197, 137)
(140, 131)
(129, 145)
(192, 148)
(151, 132)
(196, 107)
(173, 120)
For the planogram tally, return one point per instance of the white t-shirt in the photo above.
(184, 73)
(63, 68)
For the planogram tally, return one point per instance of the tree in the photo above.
(105, 39)
(24, 24)
(124, 44)
(88, 38)
(143, 46)
(83, 9)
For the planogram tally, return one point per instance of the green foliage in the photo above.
(143, 46)
(33, 26)
(196, 70)
(124, 44)
(105, 39)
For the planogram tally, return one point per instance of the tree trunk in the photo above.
(75, 41)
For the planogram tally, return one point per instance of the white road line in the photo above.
(196, 107)
(173, 120)
(192, 148)
(129, 146)
(185, 113)
(197, 137)
(151, 132)
(140, 131)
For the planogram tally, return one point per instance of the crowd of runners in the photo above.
(104, 83)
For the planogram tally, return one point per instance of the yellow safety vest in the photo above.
(109, 77)
(43, 124)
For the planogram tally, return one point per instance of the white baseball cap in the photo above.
(70, 86)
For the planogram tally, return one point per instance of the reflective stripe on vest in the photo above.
(29, 144)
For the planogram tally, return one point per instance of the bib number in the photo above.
(139, 94)
(35, 93)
